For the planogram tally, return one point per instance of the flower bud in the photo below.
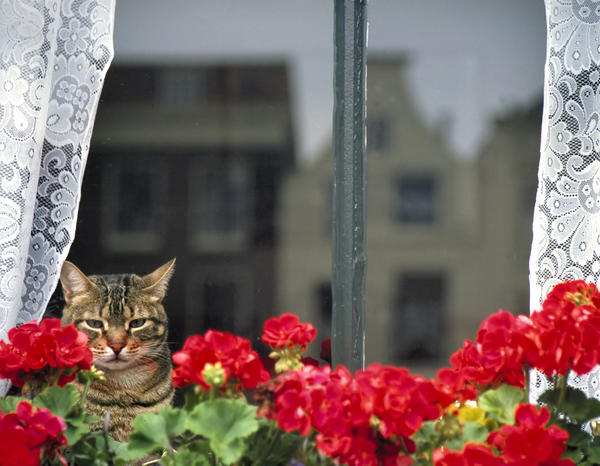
(214, 374)
(97, 373)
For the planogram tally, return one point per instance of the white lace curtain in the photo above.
(566, 225)
(53, 58)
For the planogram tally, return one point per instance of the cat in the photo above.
(126, 323)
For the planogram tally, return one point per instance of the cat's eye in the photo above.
(94, 323)
(137, 323)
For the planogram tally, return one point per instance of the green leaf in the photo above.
(9, 403)
(577, 436)
(582, 447)
(61, 401)
(154, 431)
(575, 455)
(192, 399)
(593, 454)
(194, 454)
(91, 451)
(427, 437)
(76, 430)
(225, 423)
(501, 402)
(472, 432)
(575, 404)
(271, 445)
(64, 402)
(174, 420)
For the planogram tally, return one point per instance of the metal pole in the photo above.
(349, 257)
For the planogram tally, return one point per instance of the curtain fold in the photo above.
(566, 224)
(54, 55)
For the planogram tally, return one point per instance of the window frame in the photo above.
(349, 259)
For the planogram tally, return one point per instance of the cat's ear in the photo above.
(157, 282)
(74, 282)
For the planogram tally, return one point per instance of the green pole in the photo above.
(348, 233)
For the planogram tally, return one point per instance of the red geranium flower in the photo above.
(359, 419)
(26, 433)
(45, 352)
(286, 330)
(234, 353)
(567, 329)
(325, 353)
(572, 293)
(529, 442)
(293, 411)
(472, 454)
(452, 382)
(504, 345)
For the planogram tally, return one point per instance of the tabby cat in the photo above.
(126, 323)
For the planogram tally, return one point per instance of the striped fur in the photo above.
(126, 323)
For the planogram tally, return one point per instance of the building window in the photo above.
(378, 134)
(181, 87)
(135, 203)
(219, 297)
(219, 204)
(418, 328)
(416, 199)
(323, 305)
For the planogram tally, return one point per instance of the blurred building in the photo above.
(447, 239)
(186, 161)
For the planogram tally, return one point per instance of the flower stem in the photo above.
(562, 385)
(527, 371)
(109, 450)
(88, 382)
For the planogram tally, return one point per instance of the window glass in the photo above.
(419, 316)
(219, 201)
(416, 199)
(378, 129)
(133, 210)
(213, 144)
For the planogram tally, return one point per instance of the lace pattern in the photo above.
(54, 55)
(566, 224)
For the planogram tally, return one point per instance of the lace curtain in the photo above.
(566, 224)
(53, 58)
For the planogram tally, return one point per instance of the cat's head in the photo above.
(122, 315)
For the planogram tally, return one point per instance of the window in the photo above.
(179, 87)
(134, 202)
(418, 328)
(323, 304)
(250, 164)
(378, 134)
(219, 297)
(219, 204)
(416, 199)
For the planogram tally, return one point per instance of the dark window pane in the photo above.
(219, 198)
(129, 84)
(218, 301)
(219, 202)
(135, 200)
(324, 300)
(134, 194)
(181, 87)
(420, 305)
(378, 134)
(324, 303)
(417, 200)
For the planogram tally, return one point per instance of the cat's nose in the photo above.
(116, 347)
